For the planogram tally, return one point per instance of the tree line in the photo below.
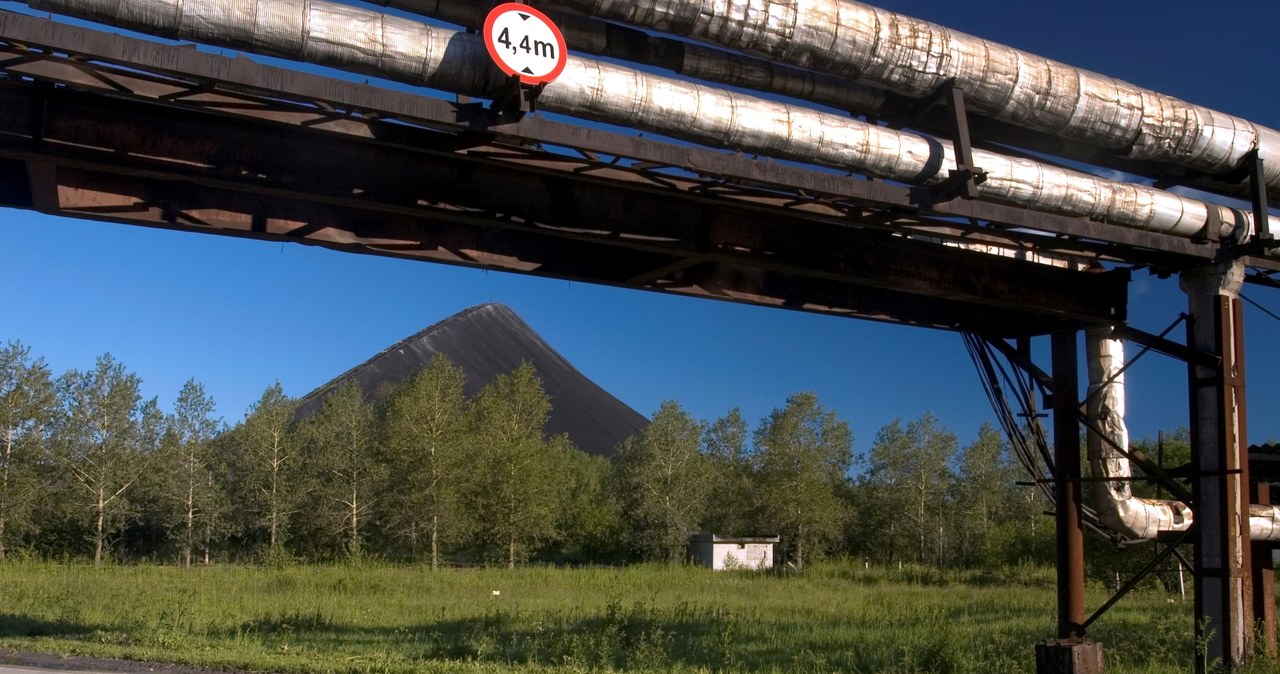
(422, 473)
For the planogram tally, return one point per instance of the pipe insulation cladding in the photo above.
(1137, 519)
(916, 58)
(592, 36)
(364, 41)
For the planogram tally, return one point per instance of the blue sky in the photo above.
(236, 315)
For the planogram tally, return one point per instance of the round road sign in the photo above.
(525, 43)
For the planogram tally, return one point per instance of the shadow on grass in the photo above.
(639, 638)
(25, 626)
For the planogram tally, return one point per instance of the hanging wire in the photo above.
(1022, 436)
(1260, 307)
(1028, 439)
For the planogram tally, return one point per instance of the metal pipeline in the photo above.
(1138, 519)
(365, 41)
(915, 58)
(592, 36)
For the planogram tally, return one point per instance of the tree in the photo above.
(983, 496)
(590, 524)
(268, 483)
(425, 424)
(105, 440)
(731, 506)
(664, 483)
(512, 494)
(340, 441)
(192, 486)
(803, 455)
(27, 407)
(905, 487)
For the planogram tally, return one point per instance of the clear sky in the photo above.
(236, 315)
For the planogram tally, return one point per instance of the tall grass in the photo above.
(377, 618)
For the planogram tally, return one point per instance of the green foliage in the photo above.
(803, 453)
(263, 454)
(28, 404)
(663, 483)
(591, 525)
(425, 423)
(344, 466)
(985, 498)
(903, 491)
(189, 473)
(732, 507)
(105, 439)
(87, 459)
(515, 490)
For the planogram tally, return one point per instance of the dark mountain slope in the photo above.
(489, 340)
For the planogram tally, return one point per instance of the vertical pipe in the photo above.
(1067, 469)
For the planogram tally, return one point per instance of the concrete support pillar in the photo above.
(1219, 447)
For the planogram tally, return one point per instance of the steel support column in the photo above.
(1067, 474)
(1070, 653)
(1223, 591)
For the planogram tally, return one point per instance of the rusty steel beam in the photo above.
(542, 196)
(474, 242)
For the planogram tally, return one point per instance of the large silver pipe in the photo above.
(915, 58)
(592, 36)
(365, 41)
(1137, 519)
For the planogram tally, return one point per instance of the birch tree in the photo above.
(664, 483)
(803, 453)
(105, 440)
(341, 450)
(512, 495)
(983, 496)
(27, 406)
(906, 485)
(192, 485)
(266, 462)
(425, 424)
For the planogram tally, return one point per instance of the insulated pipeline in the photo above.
(1138, 519)
(365, 41)
(915, 58)
(592, 36)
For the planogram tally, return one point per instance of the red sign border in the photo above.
(492, 18)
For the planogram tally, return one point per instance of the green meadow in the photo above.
(383, 618)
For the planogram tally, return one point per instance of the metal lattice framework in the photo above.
(103, 126)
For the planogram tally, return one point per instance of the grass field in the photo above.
(374, 618)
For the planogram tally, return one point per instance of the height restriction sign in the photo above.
(525, 43)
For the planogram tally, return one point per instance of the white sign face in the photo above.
(525, 43)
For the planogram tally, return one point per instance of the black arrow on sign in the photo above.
(526, 70)
(523, 17)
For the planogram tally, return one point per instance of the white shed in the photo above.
(732, 552)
